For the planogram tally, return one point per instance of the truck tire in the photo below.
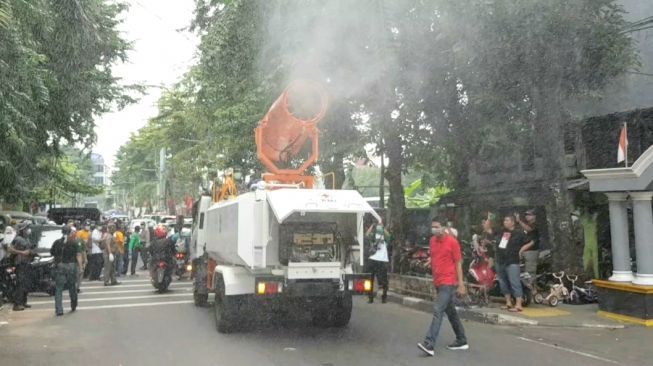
(342, 313)
(225, 310)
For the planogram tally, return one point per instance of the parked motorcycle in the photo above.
(42, 275)
(7, 281)
(480, 276)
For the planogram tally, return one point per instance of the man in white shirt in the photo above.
(96, 261)
(377, 263)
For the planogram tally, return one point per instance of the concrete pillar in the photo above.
(621, 271)
(643, 217)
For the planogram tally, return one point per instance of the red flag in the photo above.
(622, 152)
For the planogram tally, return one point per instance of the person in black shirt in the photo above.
(509, 247)
(22, 251)
(64, 251)
(530, 251)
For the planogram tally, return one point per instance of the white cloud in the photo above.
(161, 54)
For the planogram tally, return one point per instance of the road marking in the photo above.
(134, 305)
(112, 298)
(176, 284)
(84, 293)
(589, 355)
(123, 281)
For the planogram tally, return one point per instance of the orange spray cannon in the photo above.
(285, 129)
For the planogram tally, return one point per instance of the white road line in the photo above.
(589, 355)
(98, 307)
(84, 293)
(176, 284)
(134, 305)
(113, 298)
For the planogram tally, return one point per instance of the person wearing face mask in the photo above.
(377, 263)
(65, 251)
(446, 265)
(22, 250)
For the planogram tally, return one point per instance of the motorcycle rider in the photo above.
(379, 258)
(161, 249)
(22, 250)
(65, 252)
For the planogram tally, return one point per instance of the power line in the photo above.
(161, 20)
(639, 73)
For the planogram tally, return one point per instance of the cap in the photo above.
(530, 212)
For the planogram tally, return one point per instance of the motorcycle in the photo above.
(181, 266)
(161, 275)
(42, 275)
(41, 278)
(480, 275)
(7, 281)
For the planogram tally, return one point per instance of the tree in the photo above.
(528, 59)
(56, 62)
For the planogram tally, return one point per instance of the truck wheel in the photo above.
(225, 310)
(342, 313)
(200, 299)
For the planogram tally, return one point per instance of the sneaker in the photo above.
(458, 345)
(18, 308)
(426, 348)
(27, 306)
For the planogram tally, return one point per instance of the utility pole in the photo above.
(162, 181)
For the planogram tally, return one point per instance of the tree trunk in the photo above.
(550, 145)
(397, 203)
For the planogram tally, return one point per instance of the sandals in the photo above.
(515, 310)
(506, 307)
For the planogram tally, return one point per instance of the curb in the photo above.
(489, 317)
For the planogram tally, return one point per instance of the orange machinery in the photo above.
(284, 130)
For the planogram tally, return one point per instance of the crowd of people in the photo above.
(99, 252)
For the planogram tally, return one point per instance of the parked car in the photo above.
(137, 222)
(7, 216)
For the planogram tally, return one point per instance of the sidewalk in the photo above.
(566, 316)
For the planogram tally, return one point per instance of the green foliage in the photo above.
(418, 196)
(56, 59)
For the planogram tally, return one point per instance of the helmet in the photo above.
(160, 232)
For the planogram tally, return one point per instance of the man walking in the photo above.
(135, 247)
(146, 238)
(109, 248)
(446, 264)
(65, 252)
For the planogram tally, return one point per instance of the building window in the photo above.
(98, 181)
(99, 168)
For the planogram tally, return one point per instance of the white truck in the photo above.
(279, 251)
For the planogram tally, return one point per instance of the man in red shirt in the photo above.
(446, 263)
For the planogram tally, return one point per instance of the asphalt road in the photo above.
(130, 324)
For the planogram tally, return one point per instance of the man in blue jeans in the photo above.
(446, 264)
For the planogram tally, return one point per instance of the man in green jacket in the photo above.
(135, 247)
